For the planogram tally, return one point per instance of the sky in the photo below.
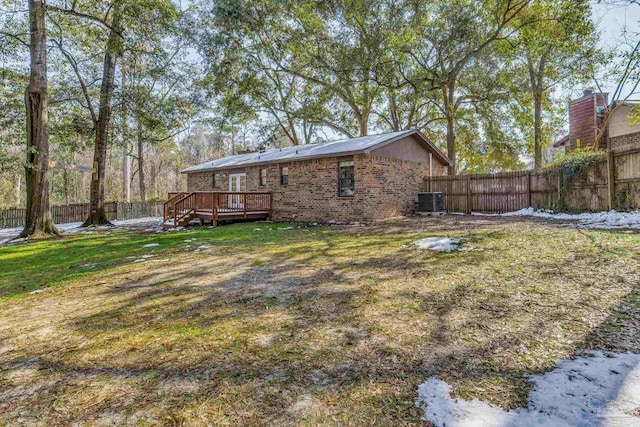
(611, 21)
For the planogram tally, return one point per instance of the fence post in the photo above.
(528, 182)
(469, 194)
(611, 176)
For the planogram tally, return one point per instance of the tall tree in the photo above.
(38, 217)
(448, 38)
(124, 133)
(558, 46)
(97, 214)
(161, 97)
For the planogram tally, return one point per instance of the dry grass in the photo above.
(317, 326)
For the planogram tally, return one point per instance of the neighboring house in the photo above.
(358, 179)
(622, 134)
(586, 118)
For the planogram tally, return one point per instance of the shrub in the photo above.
(569, 167)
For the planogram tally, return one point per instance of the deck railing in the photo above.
(184, 207)
(169, 205)
(216, 204)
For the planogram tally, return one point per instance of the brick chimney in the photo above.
(585, 118)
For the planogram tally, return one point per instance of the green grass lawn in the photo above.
(271, 325)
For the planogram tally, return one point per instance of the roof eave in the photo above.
(430, 145)
(268, 162)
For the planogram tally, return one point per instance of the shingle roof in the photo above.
(310, 151)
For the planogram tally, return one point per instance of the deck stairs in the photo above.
(184, 207)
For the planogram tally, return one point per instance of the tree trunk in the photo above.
(18, 188)
(537, 129)
(153, 174)
(126, 175)
(233, 141)
(66, 185)
(363, 122)
(141, 178)
(449, 103)
(38, 219)
(126, 160)
(97, 215)
(393, 111)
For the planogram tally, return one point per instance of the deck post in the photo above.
(214, 213)
(244, 204)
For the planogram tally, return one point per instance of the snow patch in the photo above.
(203, 247)
(440, 244)
(601, 220)
(596, 390)
(144, 258)
(7, 234)
(151, 245)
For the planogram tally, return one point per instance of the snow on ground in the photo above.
(596, 390)
(603, 220)
(7, 234)
(440, 244)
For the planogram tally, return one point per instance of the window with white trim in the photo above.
(263, 177)
(346, 178)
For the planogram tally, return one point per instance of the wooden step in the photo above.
(181, 223)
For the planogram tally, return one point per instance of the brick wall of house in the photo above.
(203, 181)
(628, 141)
(383, 188)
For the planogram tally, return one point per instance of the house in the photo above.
(623, 135)
(358, 179)
(586, 118)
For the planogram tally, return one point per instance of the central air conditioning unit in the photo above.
(429, 203)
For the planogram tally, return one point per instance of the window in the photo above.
(284, 175)
(217, 180)
(263, 177)
(346, 186)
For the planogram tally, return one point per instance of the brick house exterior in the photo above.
(586, 118)
(623, 134)
(386, 179)
(621, 142)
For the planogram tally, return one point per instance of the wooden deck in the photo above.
(183, 207)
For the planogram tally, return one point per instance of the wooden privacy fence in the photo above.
(599, 187)
(501, 192)
(14, 217)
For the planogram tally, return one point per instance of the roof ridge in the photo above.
(305, 151)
